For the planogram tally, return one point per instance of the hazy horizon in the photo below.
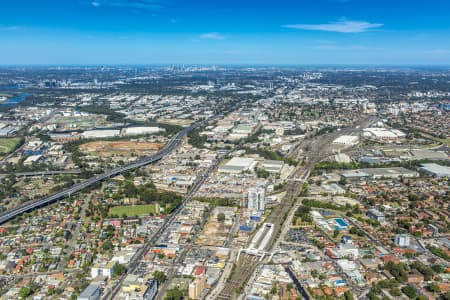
(147, 32)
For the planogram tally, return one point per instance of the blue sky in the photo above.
(381, 32)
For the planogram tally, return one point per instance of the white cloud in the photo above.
(130, 4)
(343, 26)
(340, 47)
(9, 28)
(212, 36)
(438, 52)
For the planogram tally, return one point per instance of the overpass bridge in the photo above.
(34, 204)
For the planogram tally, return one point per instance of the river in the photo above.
(15, 100)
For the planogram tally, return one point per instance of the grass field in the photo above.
(132, 210)
(8, 145)
(446, 141)
(442, 141)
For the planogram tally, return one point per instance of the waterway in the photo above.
(15, 100)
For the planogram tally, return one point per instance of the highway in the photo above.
(41, 173)
(168, 148)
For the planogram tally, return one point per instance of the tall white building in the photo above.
(256, 199)
(402, 240)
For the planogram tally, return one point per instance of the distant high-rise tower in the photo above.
(256, 199)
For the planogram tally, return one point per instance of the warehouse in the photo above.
(272, 166)
(390, 172)
(8, 131)
(238, 165)
(425, 154)
(354, 174)
(342, 158)
(436, 170)
(140, 130)
(32, 159)
(333, 189)
(378, 173)
(383, 134)
(243, 129)
(92, 134)
(346, 140)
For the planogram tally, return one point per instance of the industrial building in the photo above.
(8, 132)
(384, 134)
(346, 140)
(435, 170)
(333, 189)
(140, 130)
(342, 158)
(237, 165)
(107, 133)
(32, 159)
(92, 292)
(379, 173)
(425, 154)
(272, 166)
(244, 129)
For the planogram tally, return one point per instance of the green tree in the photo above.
(372, 296)
(174, 294)
(439, 252)
(119, 270)
(397, 270)
(396, 292)
(348, 295)
(434, 288)
(426, 271)
(335, 233)
(409, 291)
(25, 292)
(160, 276)
(221, 217)
(107, 245)
(273, 290)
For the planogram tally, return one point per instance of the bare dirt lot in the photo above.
(106, 148)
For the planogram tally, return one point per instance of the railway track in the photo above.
(248, 263)
(316, 149)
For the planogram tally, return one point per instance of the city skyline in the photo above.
(338, 32)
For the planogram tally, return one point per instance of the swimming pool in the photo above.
(341, 222)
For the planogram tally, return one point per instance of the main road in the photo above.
(135, 260)
(168, 148)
